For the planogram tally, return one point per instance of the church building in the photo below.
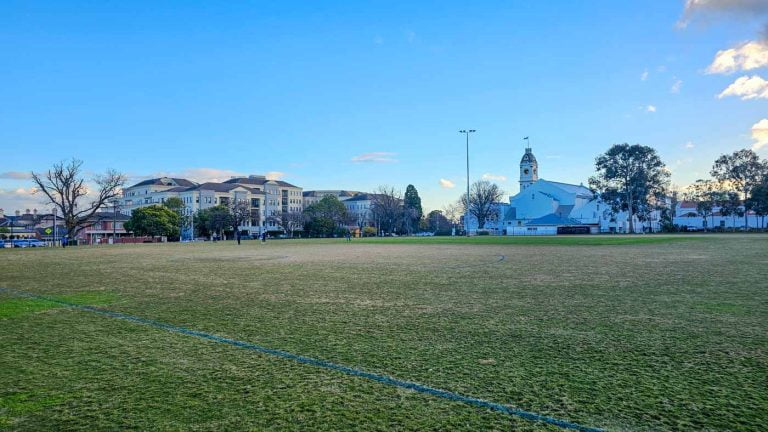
(545, 207)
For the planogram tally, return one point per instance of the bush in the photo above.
(369, 232)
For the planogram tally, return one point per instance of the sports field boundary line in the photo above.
(384, 379)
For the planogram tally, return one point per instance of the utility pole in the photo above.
(54, 227)
(114, 222)
(466, 132)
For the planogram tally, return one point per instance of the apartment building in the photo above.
(268, 199)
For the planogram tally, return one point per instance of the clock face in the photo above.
(525, 171)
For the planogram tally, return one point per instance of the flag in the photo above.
(525, 138)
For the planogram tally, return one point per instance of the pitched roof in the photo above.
(222, 187)
(553, 219)
(338, 193)
(165, 181)
(572, 188)
(257, 180)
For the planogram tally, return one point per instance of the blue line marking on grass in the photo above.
(319, 363)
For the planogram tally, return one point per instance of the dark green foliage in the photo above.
(214, 220)
(631, 178)
(154, 221)
(742, 171)
(412, 208)
(325, 217)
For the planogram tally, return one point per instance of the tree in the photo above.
(387, 208)
(453, 212)
(240, 214)
(629, 178)
(325, 217)
(412, 207)
(292, 221)
(175, 204)
(758, 200)
(65, 188)
(730, 205)
(213, 220)
(742, 170)
(153, 221)
(437, 222)
(705, 194)
(483, 199)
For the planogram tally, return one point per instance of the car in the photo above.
(2, 244)
(36, 243)
(20, 243)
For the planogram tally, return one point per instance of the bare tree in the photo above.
(65, 188)
(240, 209)
(453, 212)
(387, 208)
(292, 221)
(483, 199)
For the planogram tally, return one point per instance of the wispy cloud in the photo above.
(746, 88)
(447, 184)
(760, 134)
(274, 175)
(650, 108)
(494, 177)
(743, 57)
(375, 157)
(15, 175)
(689, 145)
(676, 86)
(644, 75)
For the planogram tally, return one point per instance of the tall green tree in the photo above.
(629, 178)
(153, 221)
(214, 220)
(741, 171)
(325, 217)
(412, 207)
(758, 200)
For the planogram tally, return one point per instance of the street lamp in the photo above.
(466, 132)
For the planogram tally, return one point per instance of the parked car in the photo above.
(36, 243)
(2, 244)
(20, 243)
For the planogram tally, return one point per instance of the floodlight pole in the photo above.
(466, 132)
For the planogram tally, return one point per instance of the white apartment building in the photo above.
(313, 196)
(268, 199)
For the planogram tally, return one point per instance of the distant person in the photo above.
(64, 242)
(264, 237)
(348, 235)
(237, 235)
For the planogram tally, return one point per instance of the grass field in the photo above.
(624, 333)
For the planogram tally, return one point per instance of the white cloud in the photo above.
(748, 8)
(274, 175)
(676, 86)
(447, 184)
(15, 175)
(744, 57)
(493, 177)
(661, 68)
(760, 134)
(644, 75)
(689, 145)
(650, 109)
(376, 157)
(746, 88)
(21, 199)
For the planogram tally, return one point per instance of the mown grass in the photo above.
(576, 240)
(660, 336)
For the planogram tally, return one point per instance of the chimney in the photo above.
(34, 212)
(18, 213)
(29, 211)
(2, 214)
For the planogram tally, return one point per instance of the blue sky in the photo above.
(356, 94)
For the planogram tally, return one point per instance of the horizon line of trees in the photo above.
(629, 178)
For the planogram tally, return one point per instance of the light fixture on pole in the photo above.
(466, 132)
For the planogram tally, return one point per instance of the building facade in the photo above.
(268, 200)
